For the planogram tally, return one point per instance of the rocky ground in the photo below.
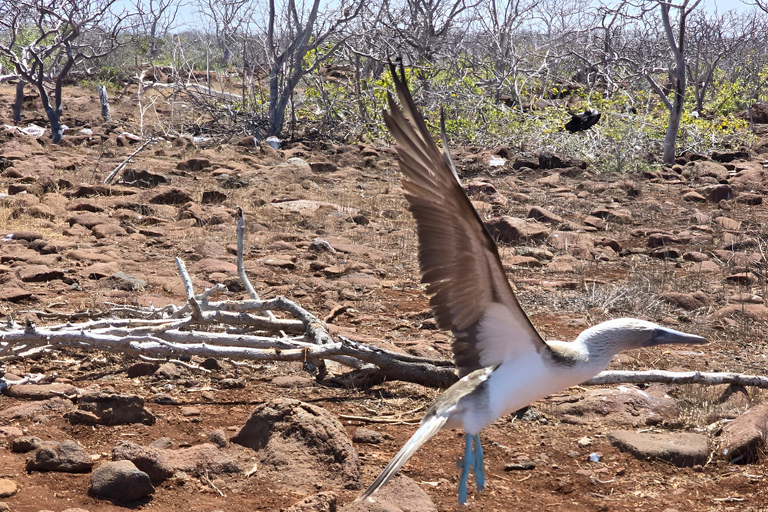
(684, 246)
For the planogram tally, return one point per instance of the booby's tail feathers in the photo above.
(428, 428)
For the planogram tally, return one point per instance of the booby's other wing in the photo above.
(468, 289)
(435, 418)
(429, 427)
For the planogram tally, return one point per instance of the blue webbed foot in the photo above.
(478, 464)
(468, 459)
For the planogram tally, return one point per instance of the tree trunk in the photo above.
(675, 114)
(54, 118)
(19, 100)
(104, 103)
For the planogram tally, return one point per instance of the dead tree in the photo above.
(156, 18)
(290, 36)
(228, 18)
(41, 39)
(646, 37)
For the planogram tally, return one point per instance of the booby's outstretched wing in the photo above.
(468, 289)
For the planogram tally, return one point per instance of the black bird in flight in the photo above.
(581, 122)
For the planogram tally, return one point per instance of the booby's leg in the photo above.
(478, 463)
(468, 460)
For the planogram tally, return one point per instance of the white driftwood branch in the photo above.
(122, 164)
(708, 378)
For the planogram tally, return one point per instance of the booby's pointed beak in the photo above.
(665, 335)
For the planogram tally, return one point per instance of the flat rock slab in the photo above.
(39, 274)
(110, 409)
(7, 488)
(508, 230)
(302, 443)
(682, 450)
(15, 294)
(41, 391)
(35, 410)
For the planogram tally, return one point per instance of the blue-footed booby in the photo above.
(503, 362)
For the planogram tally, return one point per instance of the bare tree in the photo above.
(291, 34)
(675, 32)
(228, 18)
(635, 46)
(713, 38)
(40, 36)
(508, 50)
(156, 18)
(428, 31)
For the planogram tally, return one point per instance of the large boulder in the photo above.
(302, 443)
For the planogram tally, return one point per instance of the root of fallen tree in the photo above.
(250, 330)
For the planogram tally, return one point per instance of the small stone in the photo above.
(728, 223)
(320, 245)
(366, 436)
(39, 274)
(584, 442)
(218, 437)
(193, 164)
(42, 391)
(290, 381)
(189, 411)
(525, 465)
(509, 230)
(230, 383)
(749, 198)
(695, 256)
(11, 431)
(151, 460)
(743, 278)
(110, 409)
(121, 480)
(168, 371)
(744, 438)
(694, 197)
(141, 369)
(7, 488)
(26, 444)
(107, 230)
(14, 294)
(544, 215)
(719, 193)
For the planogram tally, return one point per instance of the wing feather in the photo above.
(459, 260)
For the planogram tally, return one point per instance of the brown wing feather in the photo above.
(459, 260)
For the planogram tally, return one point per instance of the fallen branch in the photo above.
(708, 378)
(122, 164)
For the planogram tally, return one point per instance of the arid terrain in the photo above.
(683, 246)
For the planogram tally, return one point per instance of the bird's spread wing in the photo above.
(468, 289)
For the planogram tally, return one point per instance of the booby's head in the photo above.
(609, 338)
